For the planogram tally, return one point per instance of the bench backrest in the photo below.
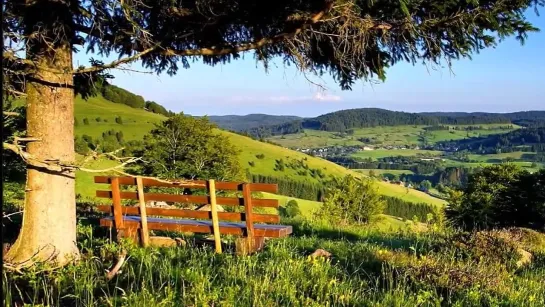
(247, 201)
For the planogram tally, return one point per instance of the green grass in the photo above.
(136, 122)
(307, 207)
(382, 153)
(385, 263)
(85, 185)
(250, 148)
(384, 135)
(495, 158)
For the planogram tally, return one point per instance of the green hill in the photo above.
(138, 122)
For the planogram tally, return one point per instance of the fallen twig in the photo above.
(120, 260)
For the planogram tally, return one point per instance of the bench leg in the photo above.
(129, 233)
(244, 247)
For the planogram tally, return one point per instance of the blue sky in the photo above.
(508, 78)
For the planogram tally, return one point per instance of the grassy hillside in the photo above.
(137, 123)
(383, 135)
(251, 148)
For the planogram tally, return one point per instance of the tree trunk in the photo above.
(48, 232)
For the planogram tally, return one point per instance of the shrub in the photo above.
(351, 200)
(292, 209)
(279, 166)
(86, 121)
(119, 136)
(119, 120)
(98, 119)
(76, 122)
(251, 163)
(500, 196)
(260, 156)
(80, 145)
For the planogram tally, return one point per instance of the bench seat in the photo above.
(201, 226)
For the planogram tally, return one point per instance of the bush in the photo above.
(86, 121)
(80, 145)
(351, 200)
(76, 122)
(260, 156)
(119, 120)
(500, 196)
(98, 119)
(119, 136)
(251, 163)
(279, 166)
(292, 209)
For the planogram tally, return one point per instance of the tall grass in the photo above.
(369, 267)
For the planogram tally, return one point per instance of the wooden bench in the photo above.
(132, 222)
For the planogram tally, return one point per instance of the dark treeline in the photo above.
(291, 188)
(528, 139)
(245, 122)
(344, 120)
(119, 95)
(154, 107)
(122, 96)
(451, 176)
(414, 164)
(400, 208)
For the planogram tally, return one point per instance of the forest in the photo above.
(528, 139)
(344, 120)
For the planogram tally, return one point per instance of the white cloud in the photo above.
(326, 97)
(284, 99)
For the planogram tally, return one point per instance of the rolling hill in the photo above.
(250, 121)
(343, 120)
(138, 122)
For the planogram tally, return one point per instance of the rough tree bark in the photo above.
(48, 232)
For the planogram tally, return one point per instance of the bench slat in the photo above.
(261, 230)
(184, 213)
(196, 184)
(194, 199)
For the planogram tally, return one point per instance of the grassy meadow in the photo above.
(385, 263)
(384, 135)
(383, 153)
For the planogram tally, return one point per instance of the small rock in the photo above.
(320, 253)
(525, 258)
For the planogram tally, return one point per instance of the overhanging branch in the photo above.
(205, 51)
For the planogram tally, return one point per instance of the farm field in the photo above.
(384, 135)
(382, 153)
(495, 158)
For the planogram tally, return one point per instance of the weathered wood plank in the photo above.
(248, 209)
(116, 199)
(184, 213)
(195, 184)
(260, 230)
(143, 217)
(214, 212)
(192, 199)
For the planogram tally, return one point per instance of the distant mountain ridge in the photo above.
(240, 123)
(371, 117)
